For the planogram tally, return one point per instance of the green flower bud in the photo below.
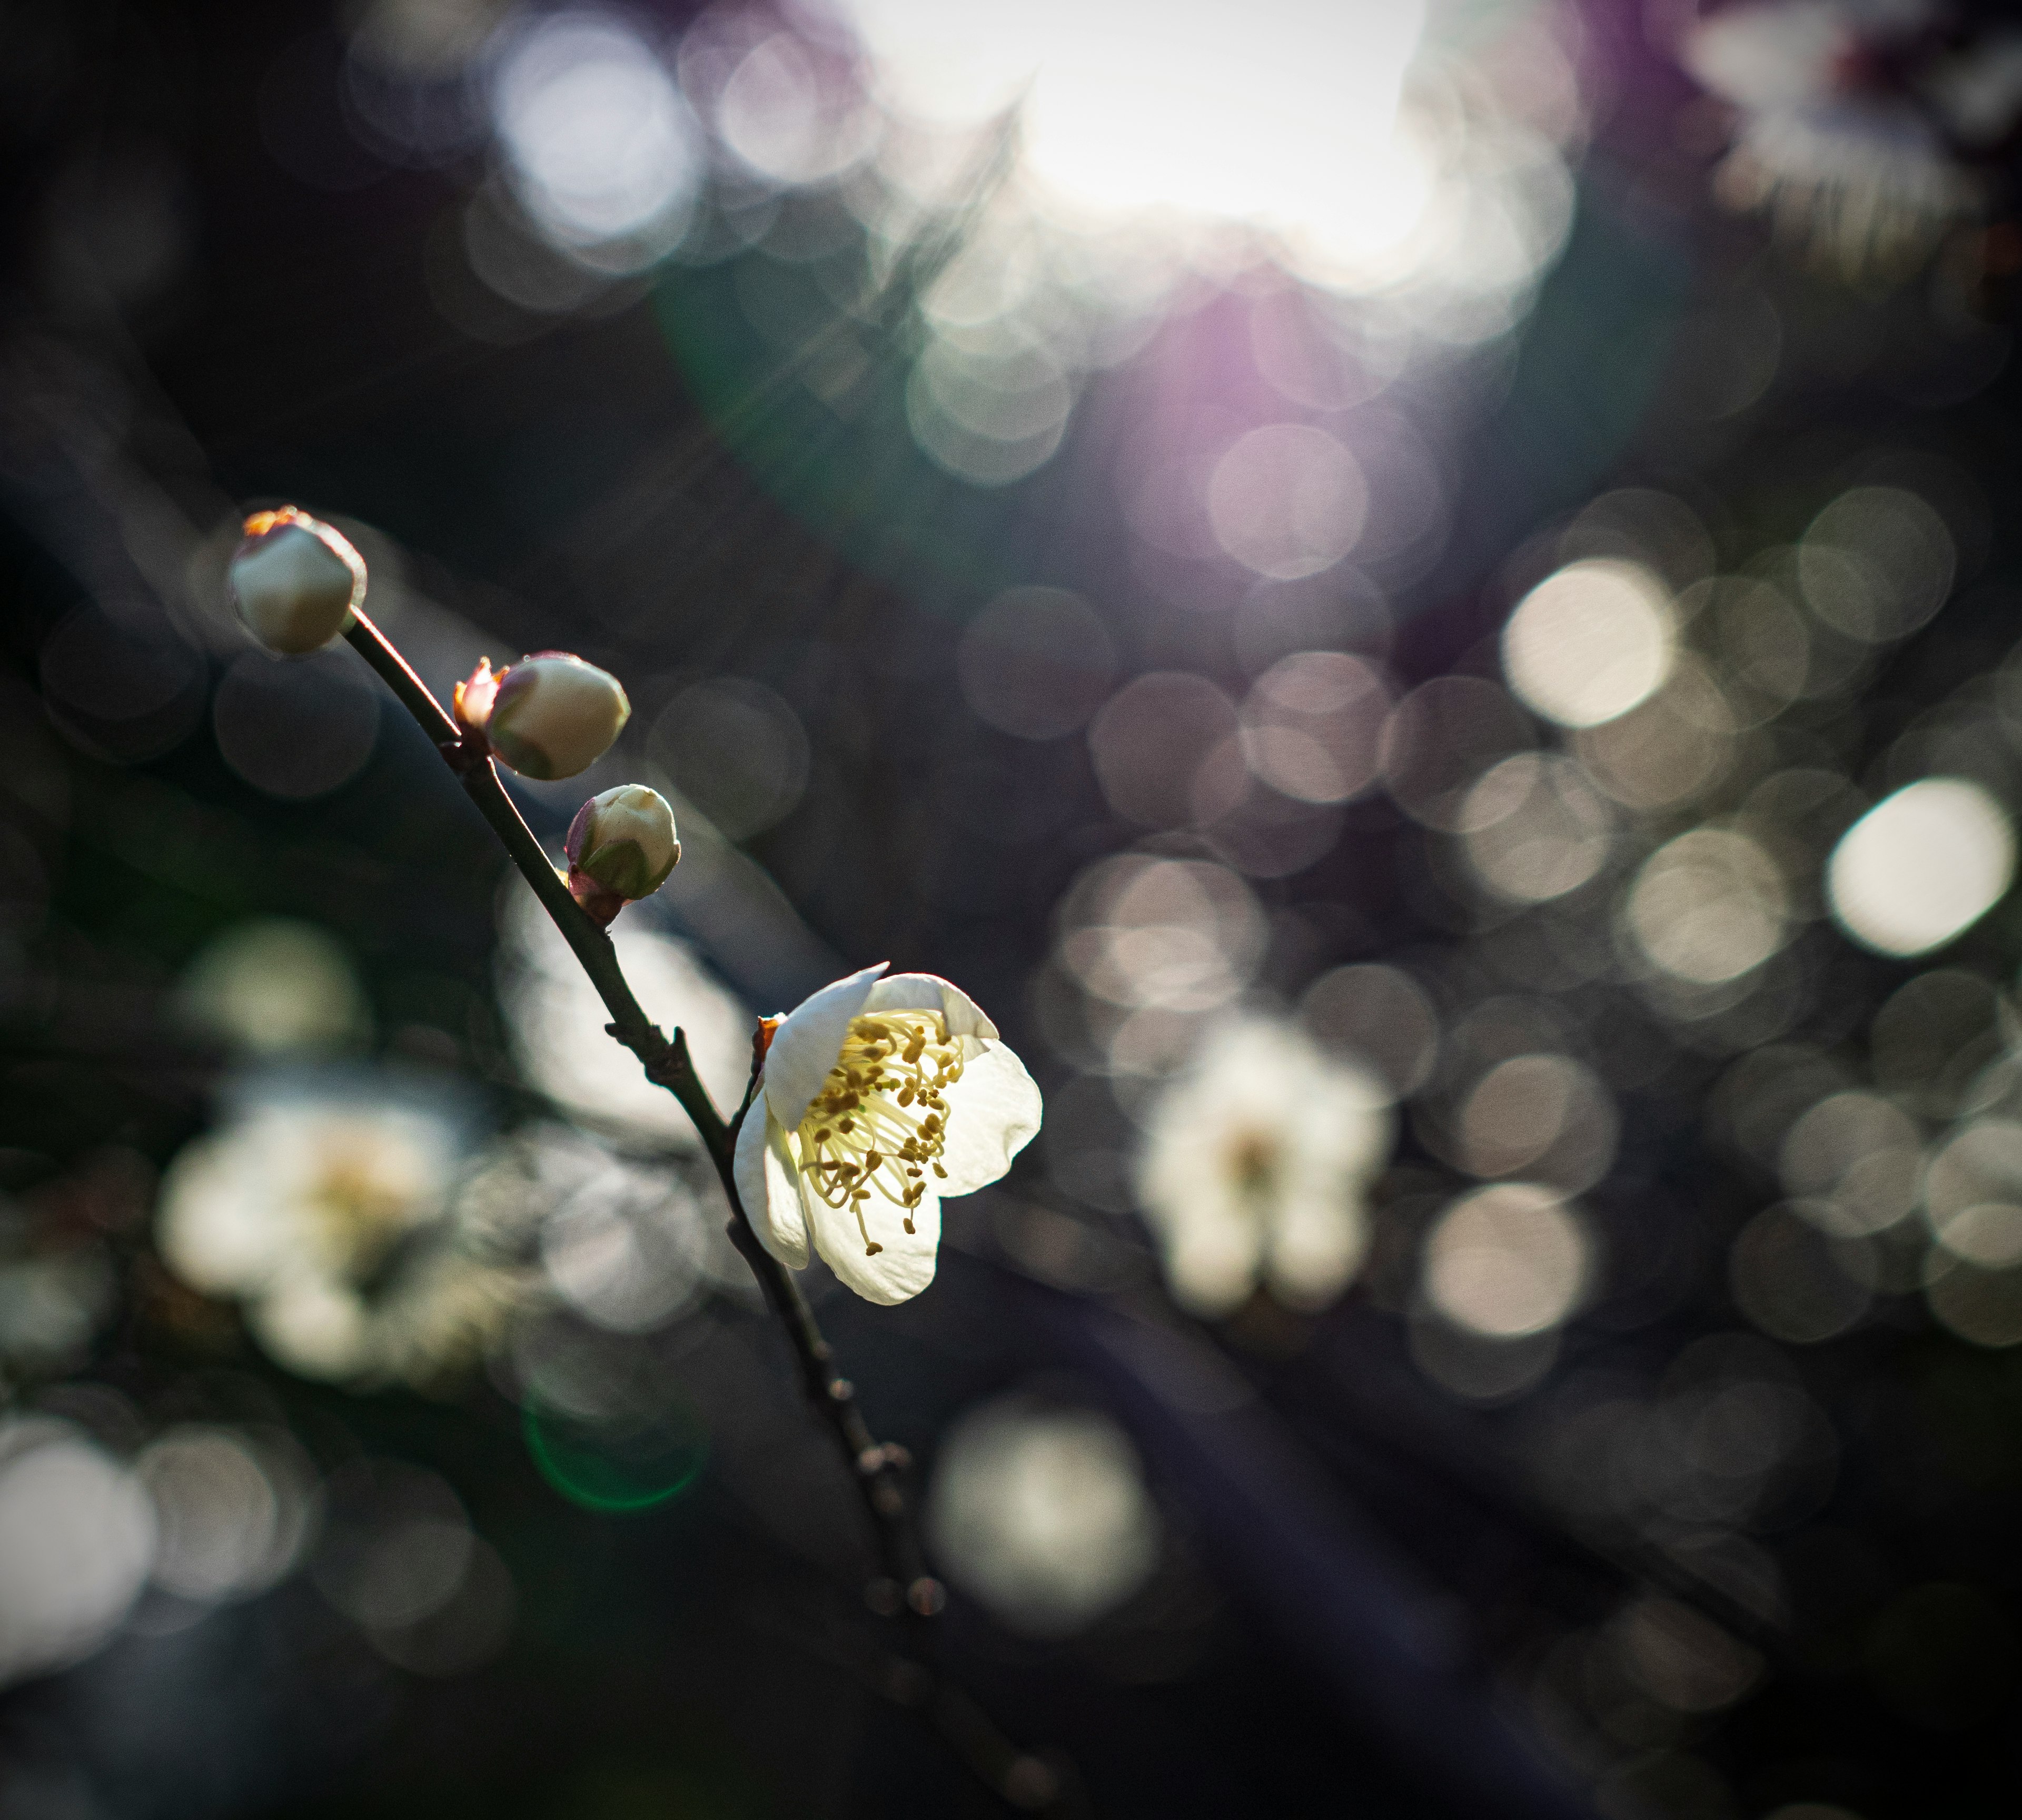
(621, 846)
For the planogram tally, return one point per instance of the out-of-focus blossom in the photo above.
(272, 985)
(621, 847)
(1042, 1514)
(1254, 1169)
(1851, 122)
(879, 1095)
(549, 715)
(295, 580)
(326, 1218)
(556, 1021)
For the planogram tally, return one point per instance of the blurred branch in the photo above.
(1028, 1783)
(878, 1469)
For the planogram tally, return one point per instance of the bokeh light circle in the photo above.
(1535, 828)
(1506, 1261)
(1036, 662)
(1590, 642)
(1152, 740)
(1311, 723)
(1381, 1017)
(1440, 738)
(629, 1459)
(1792, 1280)
(736, 750)
(1287, 500)
(1921, 866)
(1877, 562)
(78, 1538)
(1043, 1514)
(601, 146)
(1709, 906)
(296, 729)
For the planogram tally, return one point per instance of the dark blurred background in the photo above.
(1419, 602)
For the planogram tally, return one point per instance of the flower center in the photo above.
(879, 1122)
(359, 1209)
(1252, 1160)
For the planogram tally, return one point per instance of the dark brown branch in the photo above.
(904, 1588)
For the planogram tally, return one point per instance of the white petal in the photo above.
(769, 1183)
(219, 1229)
(315, 1326)
(993, 1112)
(1211, 1264)
(1343, 1123)
(805, 1046)
(1183, 1172)
(898, 1272)
(1315, 1246)
(926, 992)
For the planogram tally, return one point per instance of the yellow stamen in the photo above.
(859, 1133)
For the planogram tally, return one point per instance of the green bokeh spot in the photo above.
(630, 1465)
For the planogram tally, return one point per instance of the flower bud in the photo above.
(295, 581)
(549, 715)
(621, 846)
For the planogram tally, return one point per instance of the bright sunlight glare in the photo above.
(1286, 120)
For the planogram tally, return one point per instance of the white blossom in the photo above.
(1255, 1169)
(1832, 137)
(879, 1095)
(301, 1207)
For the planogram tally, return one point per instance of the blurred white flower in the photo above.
(1833, 137)
(271, 984)
(898, 1085)
(557, 1021)
(327, 1216)
(1042, 1514)
(1254, 1169)
(447, 1313)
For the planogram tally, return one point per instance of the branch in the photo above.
(878, 1469)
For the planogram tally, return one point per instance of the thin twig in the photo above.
(877, 1469)
(667, 1064)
